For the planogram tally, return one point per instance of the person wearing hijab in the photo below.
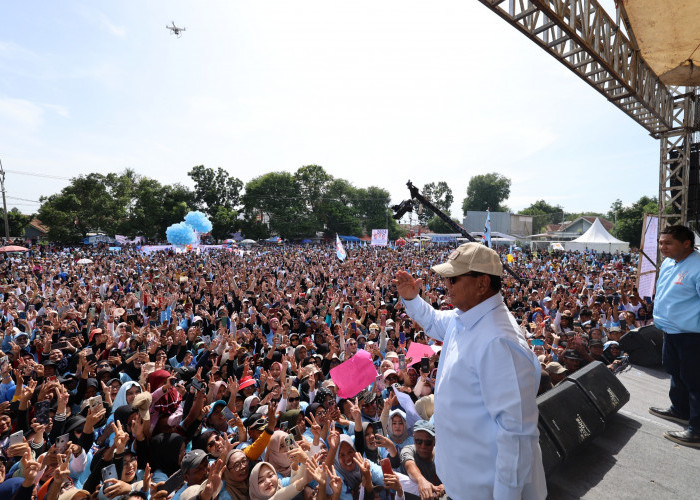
(277, 456)
(127, 393)
(264, 483)
(378, 446)
(351, 474)
(250, 404)
(397, 430)
(167, 451)
(235, 476)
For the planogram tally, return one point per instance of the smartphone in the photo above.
(284, 426)
(17, 438)
(174, 482)
(402, 361)
(647, 300)
(197, 384)
(379, 383)
(109, 472)
(289, 442)
(227, 413)
(223, 322)
(353, 326)
(62, 443)
(386, 466)
(95, 404)
(206, 339)
(402, 338)
(88, 351)
(142, 348)
(378, 429)
(425, 365)
(41, 412)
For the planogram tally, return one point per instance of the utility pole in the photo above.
(4, 203)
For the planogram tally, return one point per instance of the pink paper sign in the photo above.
(355, 374)
(418, 351)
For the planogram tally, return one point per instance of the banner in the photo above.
(646, 269)
(380, 237)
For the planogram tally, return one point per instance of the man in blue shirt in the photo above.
(677, 313)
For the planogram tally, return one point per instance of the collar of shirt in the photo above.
(472, 316)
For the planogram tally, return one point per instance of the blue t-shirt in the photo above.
(677, 301)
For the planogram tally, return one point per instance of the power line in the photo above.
(23, 199)
(34, 174)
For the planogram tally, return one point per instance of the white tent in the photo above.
(599, 239)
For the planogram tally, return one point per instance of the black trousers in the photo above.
(681, 359)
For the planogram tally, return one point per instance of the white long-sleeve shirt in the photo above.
(487, 441)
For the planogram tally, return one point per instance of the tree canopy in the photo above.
(487, 192)
(440, 195)
(629, 219)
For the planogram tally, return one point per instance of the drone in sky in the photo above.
(174, 30)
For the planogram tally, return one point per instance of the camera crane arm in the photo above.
(407, 206)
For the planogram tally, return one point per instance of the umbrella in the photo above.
(13, 248)
(248, 242)
(85, 261)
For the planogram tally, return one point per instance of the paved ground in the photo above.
(632, 459)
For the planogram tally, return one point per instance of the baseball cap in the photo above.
(554, 367)
(470, 257)
(193, 459)
(424, 425)
(255, 421)
(220, 402)
(388, 373)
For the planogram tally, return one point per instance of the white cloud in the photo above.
(112, 28)
(20, 113)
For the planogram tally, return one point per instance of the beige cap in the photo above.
(470, 257)
(554, 367)
(142, 402)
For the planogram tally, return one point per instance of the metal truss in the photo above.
(581, 35)
(674, 170)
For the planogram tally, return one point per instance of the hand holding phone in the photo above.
(109, 472)
(386, 466)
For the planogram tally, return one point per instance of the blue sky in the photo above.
(376, 92)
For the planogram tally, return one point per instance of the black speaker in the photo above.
(602, 387)
(551, 454)
(569, 416)
(644, 345)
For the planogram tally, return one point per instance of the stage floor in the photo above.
(632, 459)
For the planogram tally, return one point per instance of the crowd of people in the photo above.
(207, 375)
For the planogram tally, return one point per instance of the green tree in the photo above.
(373, 205)
(487, 191)
(313, 183)
(340, 208)
(440, 194)
(17, 222)
(224, 222)
(90, 203)
(275, 196)
(629, 219)
(155, 206)
(437, 225)
(214, 189)
(543, 214)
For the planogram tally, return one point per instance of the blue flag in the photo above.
(486, 238)
(339, 250)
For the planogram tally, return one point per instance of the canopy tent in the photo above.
(349, 238)
(597, 238)
(668, 38)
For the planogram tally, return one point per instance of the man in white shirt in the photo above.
(487, 442)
